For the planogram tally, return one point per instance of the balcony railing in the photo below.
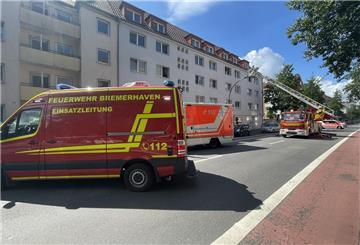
(49, 50)
(48, 11)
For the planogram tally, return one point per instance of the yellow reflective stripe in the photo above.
(176, 112)
(103, 90)
(66, 177)
(147, 109)
(163, 156)
(141, 129)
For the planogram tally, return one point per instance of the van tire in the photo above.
(138, 177)
(214, 143)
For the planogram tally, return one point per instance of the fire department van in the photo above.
(210, 124)
(135, 133)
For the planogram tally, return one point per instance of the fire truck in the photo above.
(208, 124)
(304, 122)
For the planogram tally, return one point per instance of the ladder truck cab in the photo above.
(300, 123)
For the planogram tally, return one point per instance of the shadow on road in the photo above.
(233, 147)
(207, 192)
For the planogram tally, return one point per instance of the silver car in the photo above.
(270, 127)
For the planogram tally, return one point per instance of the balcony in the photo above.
(27, 91)
(49, 58)
(31, 18)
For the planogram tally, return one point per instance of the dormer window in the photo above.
(159, 27)
(210, 50)
(235, 61)
(133, 16)
(224, 56)
(195, 43)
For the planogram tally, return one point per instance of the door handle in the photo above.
(33, 142)
(51, 141)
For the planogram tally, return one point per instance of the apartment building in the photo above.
(109, 43)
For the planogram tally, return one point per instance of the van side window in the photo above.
(25, 123)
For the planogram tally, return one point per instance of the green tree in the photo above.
(353, 113)
(331, 30)
(313, 90)
(336, 103)
(281, 100)
(353, 88)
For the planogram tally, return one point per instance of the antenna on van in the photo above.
(62, 86)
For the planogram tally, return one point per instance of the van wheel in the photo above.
(214, 143)
(138, 177)
(284, 135)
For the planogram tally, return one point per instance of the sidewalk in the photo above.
(323, 209)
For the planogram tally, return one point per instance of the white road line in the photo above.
(272, 143)
(242, 228)
(208, 158)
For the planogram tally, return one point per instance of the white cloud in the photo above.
(182, 10)
(329, 87)
(268, 61)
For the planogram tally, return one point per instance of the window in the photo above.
(237, 89)
(158, 27)
(213, 100)
(199, 60)
(227, 70)
(237, 104)
(256, 80)
(249, 91)
(237, 73)
(63, 48)
(162, 47)
(213, 83)
(163, 71)
(195, 43)
(138, 66)
(40, 80)
(212, 65)
(199, 80)
(102, 83)
(249, 78)
(210, 50)
(224, 56)
(103, 56)
(2, 31)
(103, 27)
(39, 7)
(235, 61)
(249, 106)
(64, 80)
(37, 42)
(61, 15)
(137, 39)
(256, 107)
(257, 93)
(227, 86)
(133, 16)
(2, 74)
(25, 123)
(199, 99)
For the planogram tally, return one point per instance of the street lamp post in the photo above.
(251, 73)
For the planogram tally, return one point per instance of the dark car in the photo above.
(241, 130)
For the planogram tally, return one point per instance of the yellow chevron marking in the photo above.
(176, 113)
(147, 109)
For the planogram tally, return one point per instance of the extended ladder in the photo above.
(300, 96)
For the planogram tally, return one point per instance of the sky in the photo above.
(253, 30)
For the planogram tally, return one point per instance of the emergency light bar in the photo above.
(137, 84)
(62, 86)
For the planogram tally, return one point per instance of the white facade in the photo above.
(86, 40)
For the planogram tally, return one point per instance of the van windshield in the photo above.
(294, 116)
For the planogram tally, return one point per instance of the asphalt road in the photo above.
(234, 180)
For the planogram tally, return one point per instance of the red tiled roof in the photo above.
(173, 32)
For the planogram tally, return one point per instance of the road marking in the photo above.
(242, 228)
(217, 156)
(276, 142)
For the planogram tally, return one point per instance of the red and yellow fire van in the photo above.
(135, 133)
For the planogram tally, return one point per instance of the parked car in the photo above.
(270, 127)
(331, 124)
(241, 130)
